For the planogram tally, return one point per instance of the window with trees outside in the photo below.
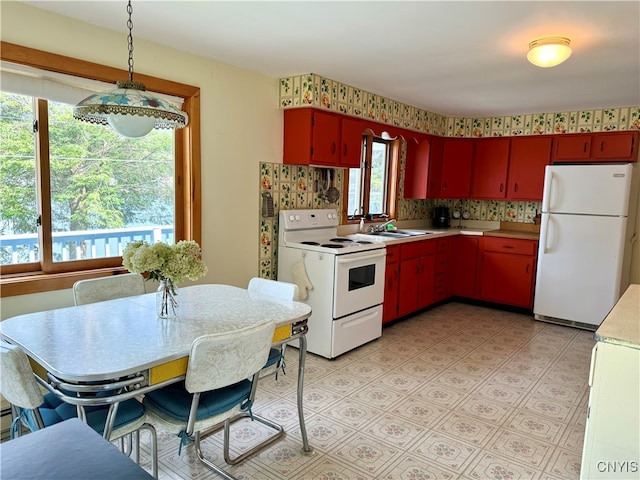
(74, 193)
(371, 189)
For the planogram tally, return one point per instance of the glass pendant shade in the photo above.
(130, 110)
(549, 52)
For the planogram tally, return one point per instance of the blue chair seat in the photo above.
(175, 401)
(54, 410)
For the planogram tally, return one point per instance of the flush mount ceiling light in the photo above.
(129, 109)
(549, 51)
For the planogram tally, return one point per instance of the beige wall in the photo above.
(241, 126)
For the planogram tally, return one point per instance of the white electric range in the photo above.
(346, 278)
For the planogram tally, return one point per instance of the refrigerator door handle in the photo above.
(547, 192)
(545, 229)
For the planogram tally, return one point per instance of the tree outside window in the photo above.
(100, 183)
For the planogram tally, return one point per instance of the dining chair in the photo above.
(285, 291)
(35, 410)
(107, 288)
(216, 386)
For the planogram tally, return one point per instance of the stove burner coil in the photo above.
(340, 239)
(332, 245)
(309, 243)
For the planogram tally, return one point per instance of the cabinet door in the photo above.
(507, 279)
(457, 160)
(569, 147)
(391, 284)
(443, 283)
(351, 142)
(326, 135)
(615, 146)
(407, 297)
(426, 281)
(435, 167)
(528, 158)
(297, 136)
(416, 174)
(490, 168)
(465, 266)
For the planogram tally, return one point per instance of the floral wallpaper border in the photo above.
(312, 90)
(293, 186)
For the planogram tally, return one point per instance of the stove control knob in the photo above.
(297, 218)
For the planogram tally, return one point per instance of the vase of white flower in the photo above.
(169, 265)
(167, 299)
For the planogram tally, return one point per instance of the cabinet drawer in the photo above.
(510, 245)
(442, 263)
(417, 249)
(440, 280)
(444, 244)
(393, 253)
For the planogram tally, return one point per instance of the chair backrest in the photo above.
(17, 383)
(108, 288)
(275, 288)
(220, 360)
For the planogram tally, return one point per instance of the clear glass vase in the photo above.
(166, 299)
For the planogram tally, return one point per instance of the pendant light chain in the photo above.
(130, 40)
(130, 83)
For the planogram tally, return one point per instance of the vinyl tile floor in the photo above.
(457, 392)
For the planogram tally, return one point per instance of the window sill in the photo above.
(21, 284)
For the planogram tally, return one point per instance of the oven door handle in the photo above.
(347, 259)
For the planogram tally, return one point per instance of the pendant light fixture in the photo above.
(129, 109)
(549, 51)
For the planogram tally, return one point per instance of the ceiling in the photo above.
(454, 58)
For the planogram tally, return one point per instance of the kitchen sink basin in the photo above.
(399, 233)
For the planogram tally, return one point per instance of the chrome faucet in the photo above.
(380, 227)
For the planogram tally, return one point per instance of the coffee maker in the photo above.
(441, 217)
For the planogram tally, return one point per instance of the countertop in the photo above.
(525, 231)
(622, 325)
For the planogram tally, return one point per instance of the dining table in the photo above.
(105, 352)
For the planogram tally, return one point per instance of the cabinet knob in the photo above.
(333, 148)
(501, 187)
(344, 150)
(515, 187)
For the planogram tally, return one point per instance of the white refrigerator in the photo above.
(586, 236)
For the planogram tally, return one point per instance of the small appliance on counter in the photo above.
(441, 217)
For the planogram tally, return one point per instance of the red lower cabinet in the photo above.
(508, 271)
(417, 270)
(391, 284)
(465, 266)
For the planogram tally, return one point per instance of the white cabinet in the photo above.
(612, 435)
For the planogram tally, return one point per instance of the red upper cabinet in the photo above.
(435, 167)
(596, 147)
(457, 161)
(351, 142)
(316, 137)
(528, 158)
(416, 174)
(569, 147)
(490, 165)
(311, 137)
(615, 146)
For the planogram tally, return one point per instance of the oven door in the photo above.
(359, 281)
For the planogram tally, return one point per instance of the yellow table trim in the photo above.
(168, 370)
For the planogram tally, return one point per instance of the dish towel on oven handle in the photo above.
(301, 279)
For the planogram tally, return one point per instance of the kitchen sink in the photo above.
(399, 233)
